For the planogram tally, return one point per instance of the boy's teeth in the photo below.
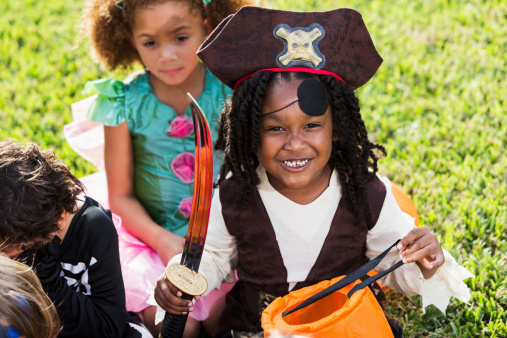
(295, 164)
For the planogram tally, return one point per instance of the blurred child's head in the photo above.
(36, 188)
(174, 29)
(25, 310)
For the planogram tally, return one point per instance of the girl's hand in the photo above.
(169, 298)
(168, 245)
(421, 246)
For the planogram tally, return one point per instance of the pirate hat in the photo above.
(256, 39)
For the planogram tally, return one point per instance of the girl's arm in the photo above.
(119, 163)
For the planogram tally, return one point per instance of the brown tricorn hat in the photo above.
(254, 39)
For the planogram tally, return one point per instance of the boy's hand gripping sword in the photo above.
(185, 276)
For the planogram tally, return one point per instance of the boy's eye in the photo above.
(149, 43)
(312, 125)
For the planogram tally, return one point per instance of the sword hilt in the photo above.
(174, 325)
(191, 284)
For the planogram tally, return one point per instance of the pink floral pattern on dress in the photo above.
(181, 126)
(185, 206)
(183, 166)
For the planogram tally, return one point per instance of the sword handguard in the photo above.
(191, 284)
(188, 281)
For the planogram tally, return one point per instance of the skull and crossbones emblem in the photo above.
(300, 45)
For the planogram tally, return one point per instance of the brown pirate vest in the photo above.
(261, 271)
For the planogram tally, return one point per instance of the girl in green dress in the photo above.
(148, 134)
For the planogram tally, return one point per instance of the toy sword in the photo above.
(185, 276)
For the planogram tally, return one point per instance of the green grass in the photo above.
(437, 104)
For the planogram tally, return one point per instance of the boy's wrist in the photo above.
(427, 273)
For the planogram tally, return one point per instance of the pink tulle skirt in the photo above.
(141, 267)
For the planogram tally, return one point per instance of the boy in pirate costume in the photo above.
(299, 199)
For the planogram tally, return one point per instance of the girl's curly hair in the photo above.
(35, 189)
(108, 28)
(353, 155)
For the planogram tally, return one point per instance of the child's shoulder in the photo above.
(139, 80)
(377, 184)
(111, 87)
(96, 221)
(115, 98)
(229, 182)
(376, 187)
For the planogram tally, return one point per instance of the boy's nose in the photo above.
(295, 143)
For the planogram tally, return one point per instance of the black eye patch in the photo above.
(312, 97)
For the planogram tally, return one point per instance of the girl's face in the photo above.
(294, 147)
(167, 37)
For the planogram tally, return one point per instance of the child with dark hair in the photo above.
(74, 241)
(299, 199)
(25, 310)
(149, 145)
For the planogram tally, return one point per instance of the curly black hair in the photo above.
(35, 189)
(353, 155)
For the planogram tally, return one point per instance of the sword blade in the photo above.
(203, 187)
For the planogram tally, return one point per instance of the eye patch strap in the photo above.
(312, 98)
(290, 104)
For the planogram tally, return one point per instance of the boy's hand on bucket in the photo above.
(169, 298)
(421, 245)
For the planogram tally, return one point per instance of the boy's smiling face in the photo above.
(294, 147)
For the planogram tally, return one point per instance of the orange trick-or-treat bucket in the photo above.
(336, 315)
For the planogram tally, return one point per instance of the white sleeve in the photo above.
(220, 253)
(393, 224)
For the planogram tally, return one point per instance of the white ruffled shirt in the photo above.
(301, 231)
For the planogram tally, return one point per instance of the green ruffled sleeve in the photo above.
(109, 106)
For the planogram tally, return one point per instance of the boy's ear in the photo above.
(61, 222)
(335, 134)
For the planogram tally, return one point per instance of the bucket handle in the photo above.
(350, 278)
